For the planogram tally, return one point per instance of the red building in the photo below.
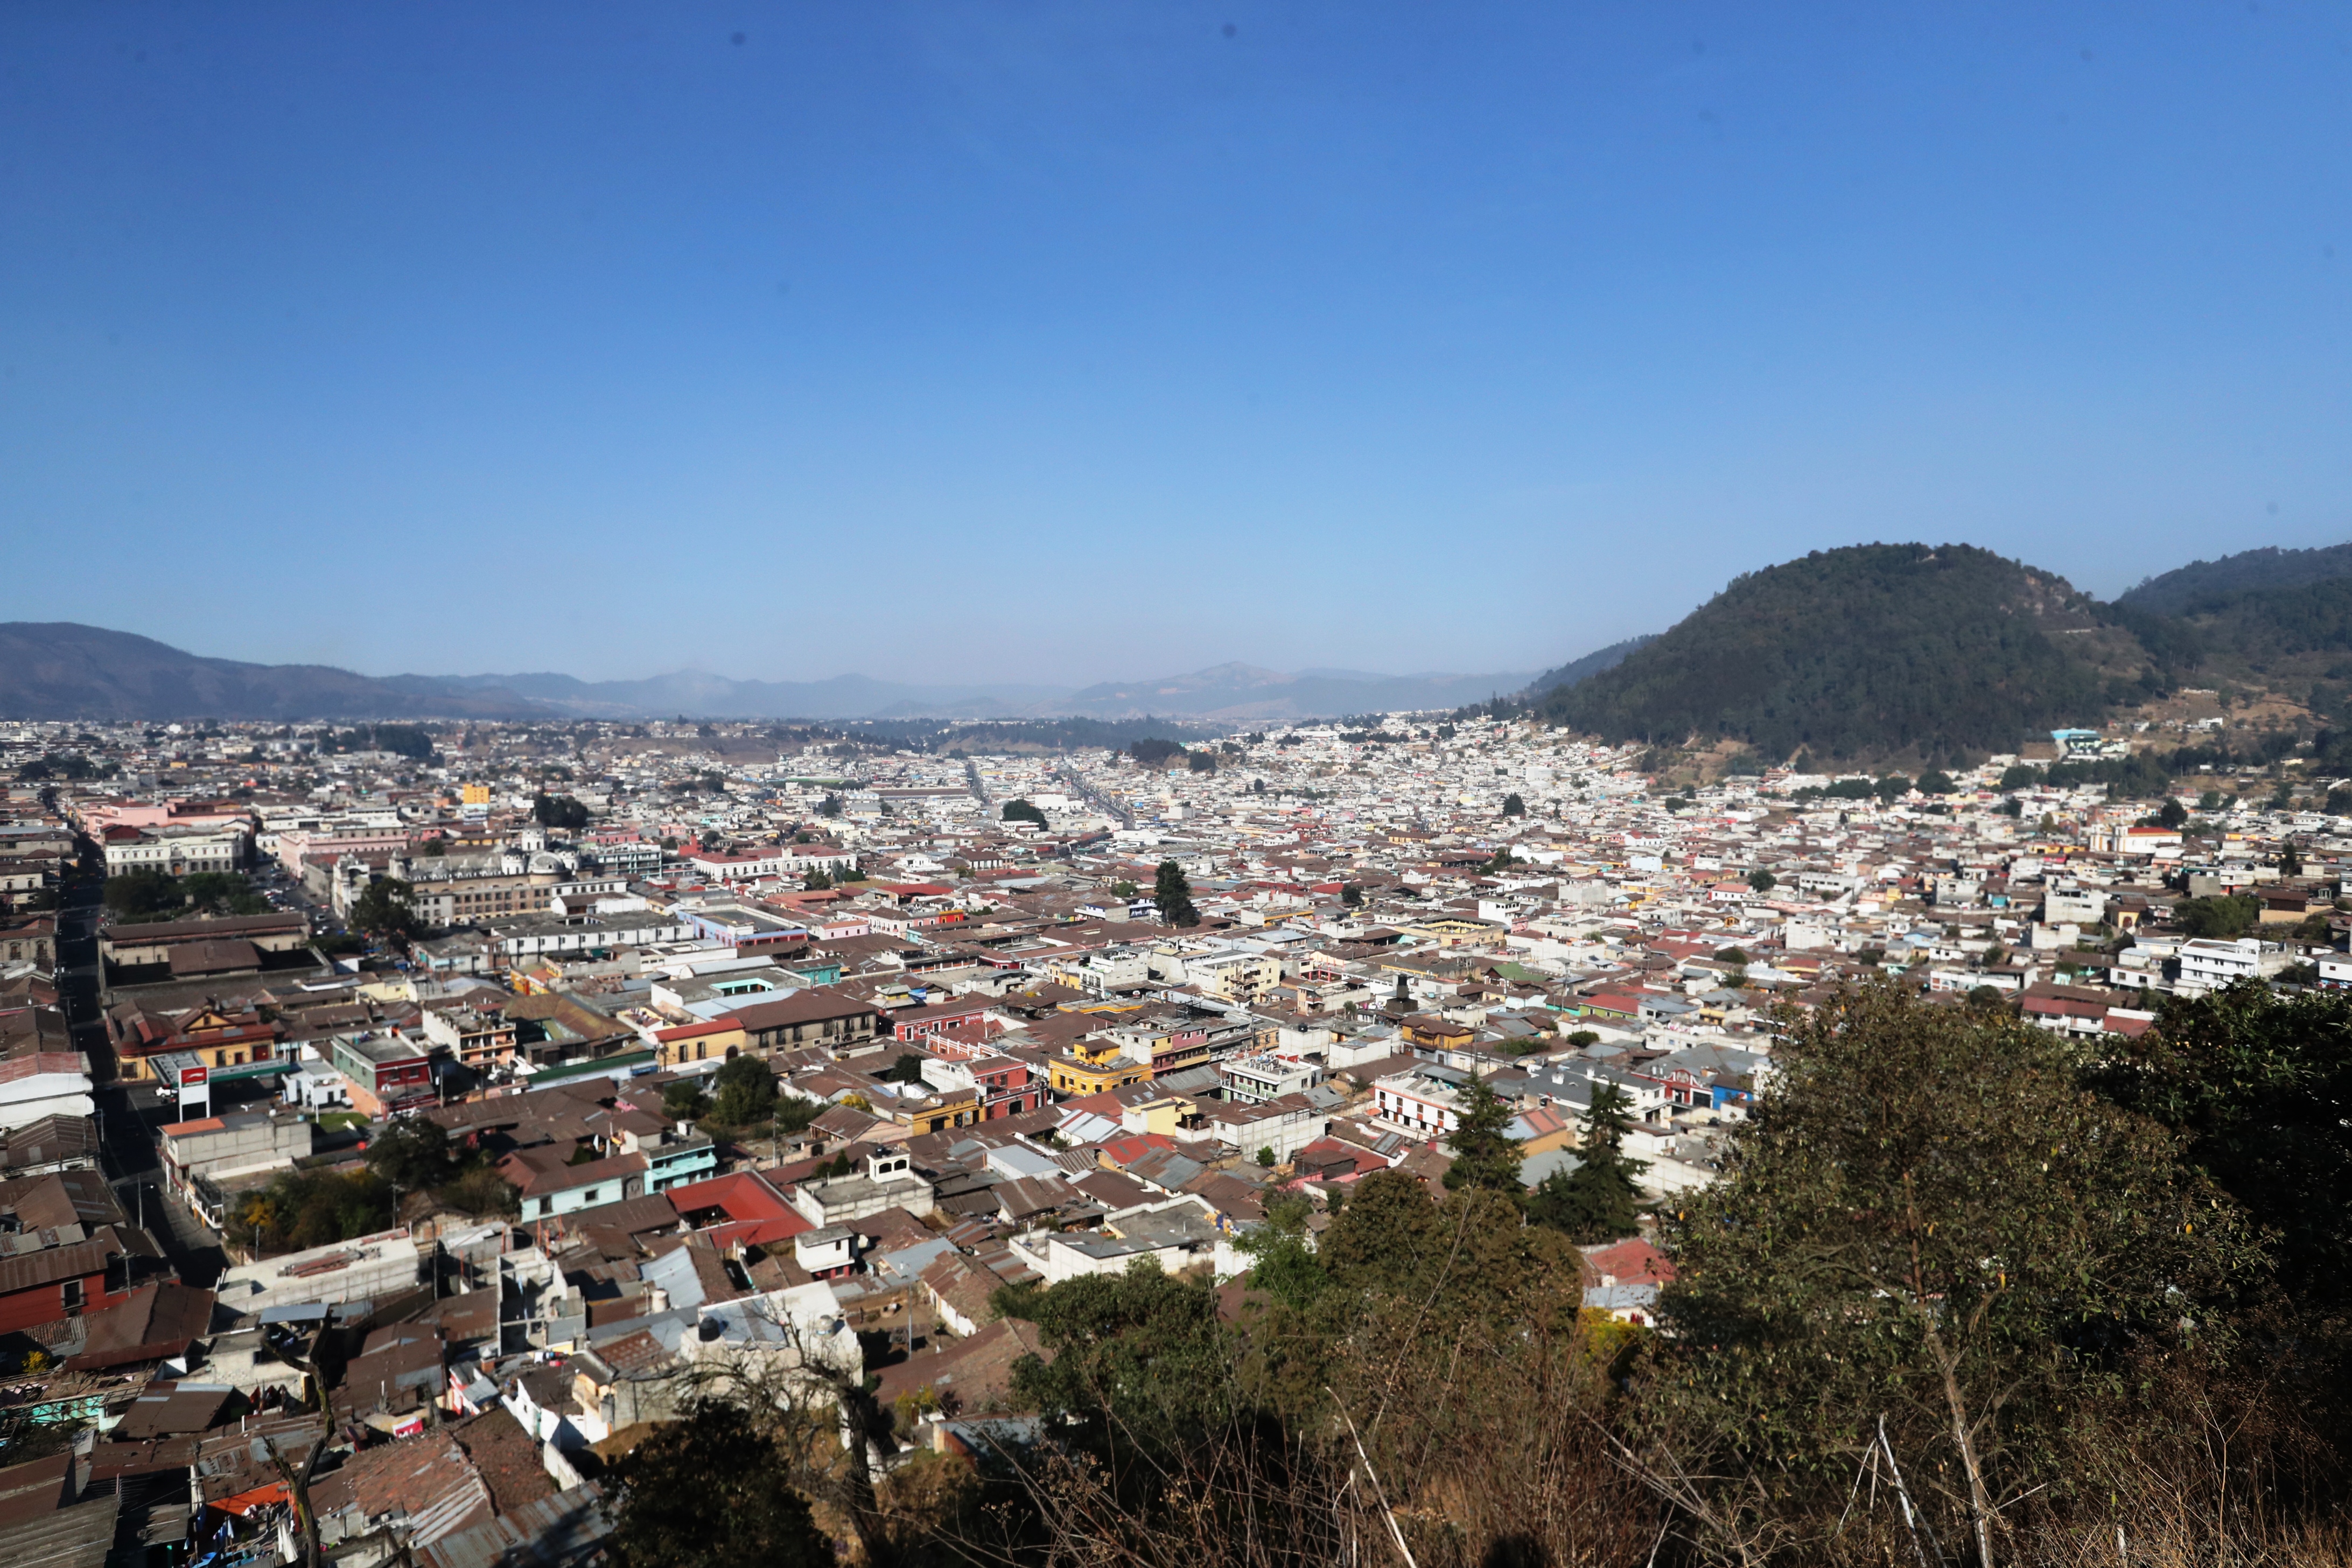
(59, 1282)
(388, 1072)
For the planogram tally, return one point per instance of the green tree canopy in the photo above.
(2224, 917)
(1023, 811)
(382, 909)
(1153, 750)
(744, 1091)
(710, 1491)
(1929, 1221)
(412, 1153)
(144, 896)
(2259, 1084)
(560, 812)
(223, 893)
(1145, 1344)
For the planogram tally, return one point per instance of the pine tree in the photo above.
(1173, 894)
(1599, 1200)
(1486, 1155)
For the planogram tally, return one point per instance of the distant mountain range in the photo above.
(1926, 652)
(63, 670)
(58, 669)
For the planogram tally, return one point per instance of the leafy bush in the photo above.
(746, 1092)
(302, 1209)
(2225, 918)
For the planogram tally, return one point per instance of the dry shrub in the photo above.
(1479, 1445)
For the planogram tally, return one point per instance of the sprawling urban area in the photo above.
(444, 1098)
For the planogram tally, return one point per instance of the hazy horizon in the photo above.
(1118, 340)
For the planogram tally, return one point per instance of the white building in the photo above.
(2208, 964)
(178, 851)
(1256, 1078)
(1415, 1104)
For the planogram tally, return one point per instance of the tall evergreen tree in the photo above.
(1600, 1200)
(1932, 1240)
(1486, 1155)
(1173, 894)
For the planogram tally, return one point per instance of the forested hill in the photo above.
(1578, 670)
(1873, 650)
(2204, 588)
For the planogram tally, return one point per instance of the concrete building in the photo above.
(360, 1270)
(221, 1148)
(888, 1182)
(176, 851)
(388, 1072)
(2207, 964)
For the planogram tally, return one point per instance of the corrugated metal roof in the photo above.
(550, 1532)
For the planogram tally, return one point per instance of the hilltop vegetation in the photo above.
(1578, 670)
(2204, 586)
(1938, 653)
(1874, 649)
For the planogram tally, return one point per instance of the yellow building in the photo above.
(1077, 1076)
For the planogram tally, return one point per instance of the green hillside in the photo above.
(1581, 670)
(2204, 588)
(1874, 649)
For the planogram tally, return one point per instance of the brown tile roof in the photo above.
(505, 1456)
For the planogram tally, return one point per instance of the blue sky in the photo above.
(1066, 342)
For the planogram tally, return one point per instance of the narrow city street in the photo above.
(127, 1114)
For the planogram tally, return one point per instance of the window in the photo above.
(71, 1293)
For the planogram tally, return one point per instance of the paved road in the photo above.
(1068, 773)
(128, 1114)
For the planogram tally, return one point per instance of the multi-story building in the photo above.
(29, 939)
(175, 851)
(480, 1037)
(25, 880)
(387, 1072)
(1243, 977)
(156, 942)
(1418, 1103)
(301, 847)
(1259, 1077)
(1006, 1085)
(2206, 963)
(813, 1018)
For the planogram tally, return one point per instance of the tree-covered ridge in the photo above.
(1576, 670)
(2204, 586)
(1873, 649)
(2314, 617)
